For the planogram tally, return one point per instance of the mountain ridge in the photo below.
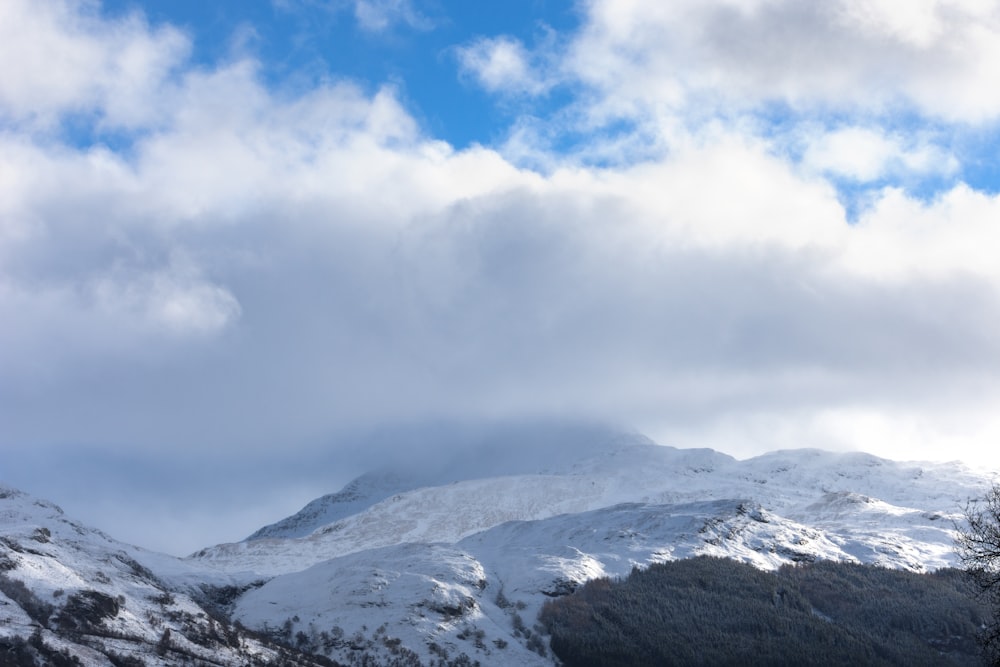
(428, 566)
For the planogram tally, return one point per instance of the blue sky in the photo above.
(256, 231)
(299, 44)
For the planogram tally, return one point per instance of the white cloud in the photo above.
(939, 57)
(865, 154)
(265, 268)
(903, 238)
(856, 153)
(832, 79)
(361, 273)
(69, 60)
(379, 15)
(502, 65)
(922, 23)
(164, 302)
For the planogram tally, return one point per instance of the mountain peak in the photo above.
(453, 558)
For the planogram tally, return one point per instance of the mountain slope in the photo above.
(402, 570)
(85, 599)
(908, 505)
(357, 496)
(438, 456)
(465, 567)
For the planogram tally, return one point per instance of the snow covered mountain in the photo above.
(71, 595)
(425, 569)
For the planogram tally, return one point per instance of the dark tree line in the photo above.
(711, 611)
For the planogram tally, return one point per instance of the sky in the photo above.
(241, 242)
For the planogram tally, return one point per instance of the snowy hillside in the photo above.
(453, 572)
(464, 567)
(73, 592)
(858, 499)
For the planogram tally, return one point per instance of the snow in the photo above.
(538, 535)
(57, 558)
(808, 487)
(464, 567)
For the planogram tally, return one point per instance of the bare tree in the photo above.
(979, 549)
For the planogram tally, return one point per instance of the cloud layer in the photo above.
(221, 265)
(935, 55)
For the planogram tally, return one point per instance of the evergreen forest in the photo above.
(715, 611)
